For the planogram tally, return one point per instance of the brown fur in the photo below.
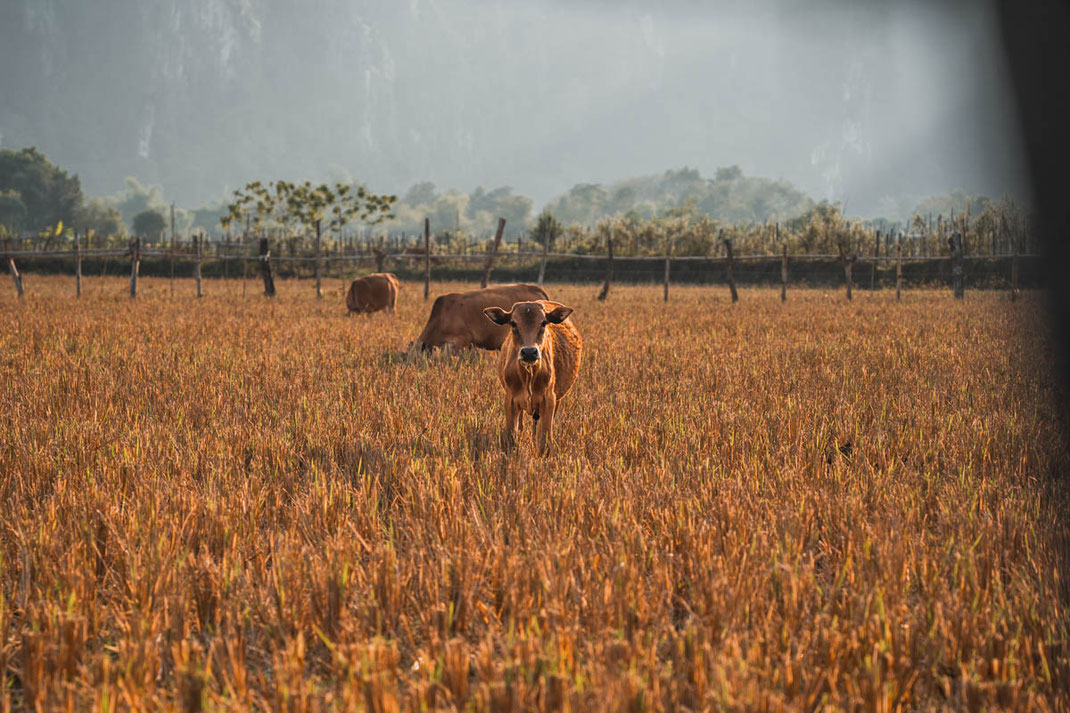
(457, 317)
(373, 293)
(536, 388)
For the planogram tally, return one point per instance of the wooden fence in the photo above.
(245, 260)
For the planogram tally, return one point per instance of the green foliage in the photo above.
(283, 204)
(459, 213)
(12, 210)
(47, 194)
(730, 197)
(100, 216)
(546, 229)
(149, 224)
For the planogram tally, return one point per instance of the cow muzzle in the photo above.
(529, 355)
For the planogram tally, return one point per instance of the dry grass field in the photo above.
(241, 503)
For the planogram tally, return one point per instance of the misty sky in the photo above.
(875, 104)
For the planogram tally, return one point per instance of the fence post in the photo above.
(135, 264)
(427, 258)
(78, 264)
(198, 246)
(728, 270)
(14, 271)
(784, 275)
(609, 270)
(380, 256)
(667, 260)
(1014, 271)
(898, 269)
(172, 249)
(265, 268)
(876, 256)
(957, 278)
(545, 250)
(848, 268)
(319, 266)
(489, 265)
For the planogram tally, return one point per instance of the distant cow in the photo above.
(538, 364)
(373, 293)
(457, 317)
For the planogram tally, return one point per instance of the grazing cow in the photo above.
(373, 293)
(457, 317)
(539, 362)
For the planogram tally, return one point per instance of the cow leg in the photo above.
(545, 429)
(512, 422)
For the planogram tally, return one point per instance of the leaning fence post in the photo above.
(265, 268)
(198, 246)
(609, 270)
(728, 270)
(78, 264)
(957, 278)
(489, 264)
(784, 275)
(135, 264)
(898, 269)
(14, 273)
(427, 258)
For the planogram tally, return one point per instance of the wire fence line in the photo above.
(415, 262)
(475, 256)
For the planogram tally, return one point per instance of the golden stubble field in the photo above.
(241, 503)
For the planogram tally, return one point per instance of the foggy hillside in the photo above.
(873, 105)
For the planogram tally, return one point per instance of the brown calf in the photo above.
(539, 362)
(372, 293)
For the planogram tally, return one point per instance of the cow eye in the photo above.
(512, 324)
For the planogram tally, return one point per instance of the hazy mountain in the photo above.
(873, 103)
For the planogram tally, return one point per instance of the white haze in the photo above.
(872, 104)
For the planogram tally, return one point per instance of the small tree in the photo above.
(546, 229)
(149, 224)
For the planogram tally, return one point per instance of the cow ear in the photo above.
(558, 314)
(498, 315)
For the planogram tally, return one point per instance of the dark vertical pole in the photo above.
(545, 250)
(667, 261)
(427, 258)
(265, 268)
(319, 266)
(957, 277)
(848, 268)
(876, 256)
(609, 269)
(135, 265)
(784, 275)
(78, 264)
(898, 269)
(728, 270)
(172, 249)
(198, 247)
(489, 265)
